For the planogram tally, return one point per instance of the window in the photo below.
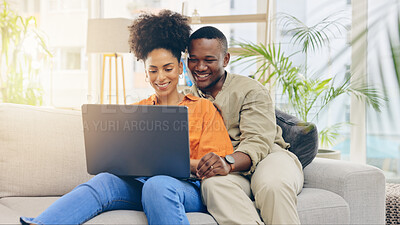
(331, 59)
(69, 59)
(66, 5)
(212, 10)
(382, 133)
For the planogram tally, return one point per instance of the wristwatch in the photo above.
(231, 161)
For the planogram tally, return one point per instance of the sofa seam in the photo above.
(330, 207)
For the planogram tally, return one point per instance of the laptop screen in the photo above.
(137, 140)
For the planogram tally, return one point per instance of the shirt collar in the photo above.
(154, 101)
(227, 81)
(190, 97)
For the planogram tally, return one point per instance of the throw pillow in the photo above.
(302, 136)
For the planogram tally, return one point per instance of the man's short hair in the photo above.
(209, 32)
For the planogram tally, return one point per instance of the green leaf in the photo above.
(17, 63)
(330, 134)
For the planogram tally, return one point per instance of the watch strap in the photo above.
(232, 167)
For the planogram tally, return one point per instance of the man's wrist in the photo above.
(230, 161)
(232, 167)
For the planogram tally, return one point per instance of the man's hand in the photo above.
(211, 164)
(193, 165)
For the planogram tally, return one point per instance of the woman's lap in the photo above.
(106, 192)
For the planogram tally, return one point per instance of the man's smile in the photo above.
(201, 76)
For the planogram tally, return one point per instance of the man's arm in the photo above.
(257, 126)
(258, 129)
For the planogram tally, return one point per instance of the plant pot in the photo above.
(328, 154)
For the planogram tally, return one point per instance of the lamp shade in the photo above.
(108, 35)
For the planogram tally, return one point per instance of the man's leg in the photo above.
(275, 184)
(228, 199)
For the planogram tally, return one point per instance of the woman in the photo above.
(158, 40)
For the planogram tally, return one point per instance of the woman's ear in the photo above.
(146, 74)
(180, 67)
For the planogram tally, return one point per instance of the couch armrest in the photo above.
(362, 186)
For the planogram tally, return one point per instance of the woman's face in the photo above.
(163, 70)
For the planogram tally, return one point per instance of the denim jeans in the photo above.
(164, 200)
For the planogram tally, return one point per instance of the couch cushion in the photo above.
(318, 206)
(7, 216)
(41, 151)
(302, 136)
(33, 206)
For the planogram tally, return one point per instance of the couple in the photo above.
(244, 161)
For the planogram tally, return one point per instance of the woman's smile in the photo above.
(163, 86)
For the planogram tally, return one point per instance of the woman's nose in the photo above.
(161, 76)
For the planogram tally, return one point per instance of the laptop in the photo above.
(137, 140)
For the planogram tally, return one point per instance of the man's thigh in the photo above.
(280, 167)
(232, 180)
(228, 199)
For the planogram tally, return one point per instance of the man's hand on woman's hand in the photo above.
(212, 164)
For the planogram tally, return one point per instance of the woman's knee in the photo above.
(158, 188)
(102, 180)
(103, 186)
(159, 185)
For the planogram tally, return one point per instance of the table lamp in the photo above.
(109, 37)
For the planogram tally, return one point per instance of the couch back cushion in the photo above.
(41, 151)
(302, 136)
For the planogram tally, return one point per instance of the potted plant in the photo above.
(305, 92)
(23, 53)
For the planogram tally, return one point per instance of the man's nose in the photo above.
(201, 65)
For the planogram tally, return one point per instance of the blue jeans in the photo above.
(164, 200)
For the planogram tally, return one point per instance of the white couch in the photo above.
(42, 157)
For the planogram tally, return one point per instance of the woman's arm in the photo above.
(214, 141)
(214, 136)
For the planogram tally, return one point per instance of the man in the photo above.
(261, 168)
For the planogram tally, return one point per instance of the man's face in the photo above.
(207, 62)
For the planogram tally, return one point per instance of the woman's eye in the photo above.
(168, 70)
(193, 60)
(152, 71)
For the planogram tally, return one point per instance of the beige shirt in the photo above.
(249, 116)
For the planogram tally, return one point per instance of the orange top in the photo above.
(207, 132)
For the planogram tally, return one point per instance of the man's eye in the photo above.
(193, 60)
(152, 71)
(168, 70)
(210, 60)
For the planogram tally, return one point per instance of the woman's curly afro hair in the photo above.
(168, 30)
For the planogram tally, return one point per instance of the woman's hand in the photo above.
(212, 164)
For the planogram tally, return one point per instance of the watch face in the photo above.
(230, 159)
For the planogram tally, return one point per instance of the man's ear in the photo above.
(227, 57)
